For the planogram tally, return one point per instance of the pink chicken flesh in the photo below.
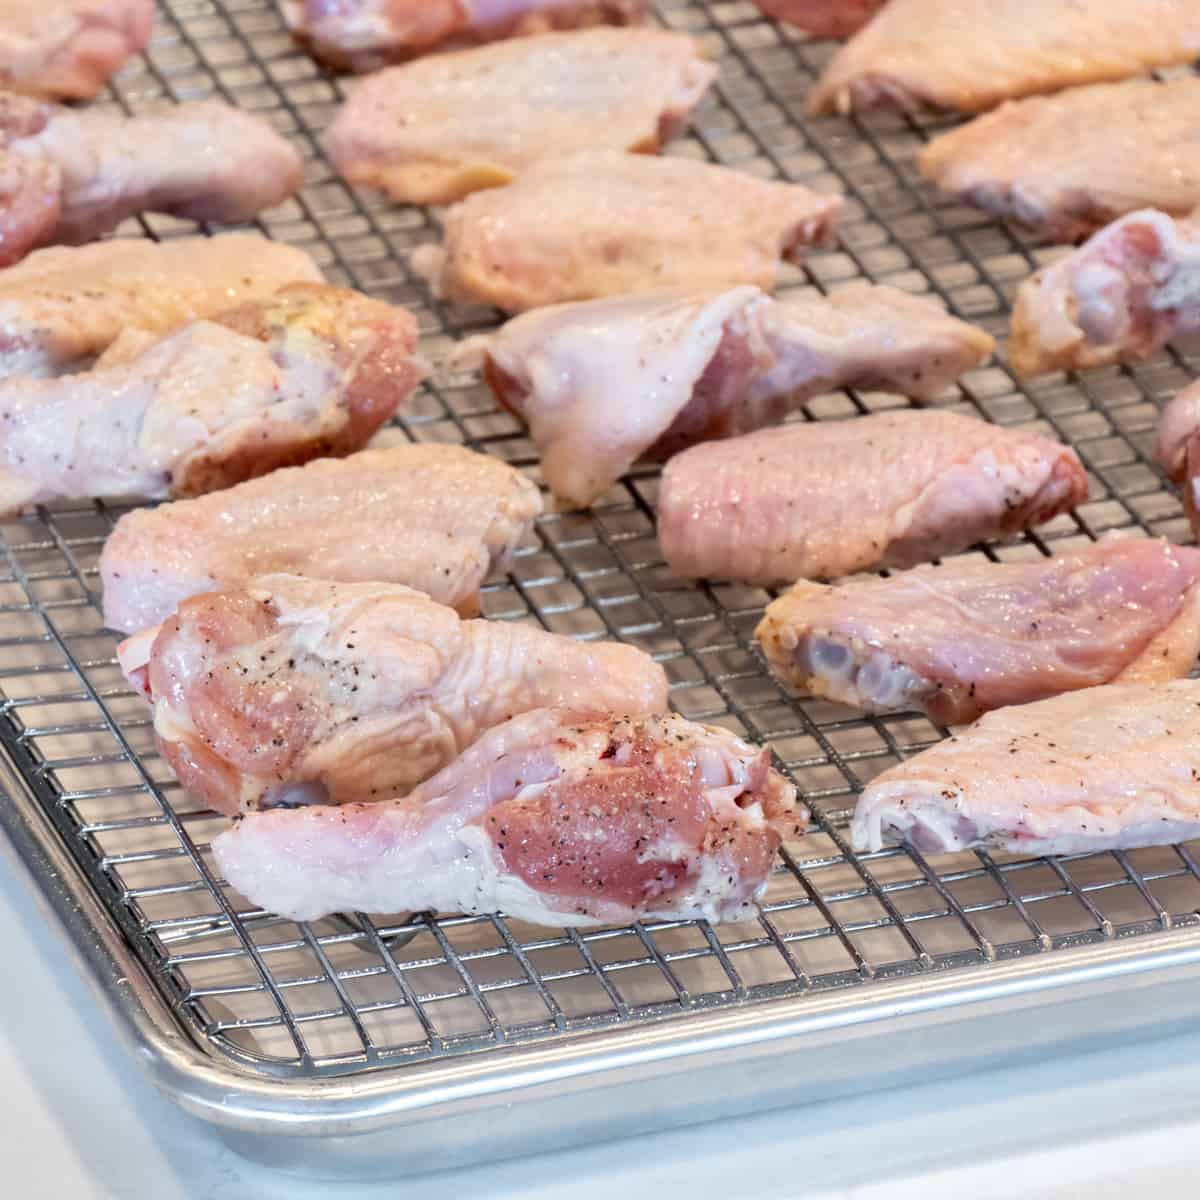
(603, 383)
(1121, 296)
(314, 370)
(69, 49)
(433, 517)
(828, 498)
(958, 640)
(364, 35)
(1102, 769)
(1177, 448)
(297, 691)
(556, 818)
(823, 18)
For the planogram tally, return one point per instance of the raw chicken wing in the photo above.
(436, 130)
(61, 307)
(363, 35)
(823, 18)
(970, 55)
(69, 49)
(1103, 769)
(1178, 448)
(298, 691)
(603, 224)
(604, 382)
(957, 640)
(557, 818)
(819, 500)
(433, 517)
(1121, 296)
(315, 370)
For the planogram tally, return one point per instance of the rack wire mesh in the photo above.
(353, 994)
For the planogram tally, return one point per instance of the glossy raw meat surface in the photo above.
(299, 691)
(1066, 165)
(957, 640)
(363, 35)
(604, 382)
(1106, 768)
(436, 130)
(604, 224)
(433, 517)
(970, 55)
(69, 49)
(312, 371)
(823, 18)
(1177, 448)
(827, 498)
(61, 307)
(203, 161)
(558, 818)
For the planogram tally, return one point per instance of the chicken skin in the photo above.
(822, 18)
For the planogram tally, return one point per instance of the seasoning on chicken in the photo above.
(436, 130)
(1066, 165)
(1121, 296)
(433, 517)
(604, 382)
(970, 55)
(364, 35)
(61, 307)
(203, 161)
(1103, 769)
(69, 49)
(313, 371)
(603, 224)
(957, 640)
(296, 691)
(824, 499)
(1177, 448)
(823, 18)
(557, 818)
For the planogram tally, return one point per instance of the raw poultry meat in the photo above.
(437, 518)
(69, 49)
(203, 161)
(823, 18)
(1178, 448)
(957, 640)
(436, 130)
(604, 382)
(296, 691)
(603, 224)
(1121, 296)
(1103, 769)
(970, 55)
(314, 370)
(557, 818)
(1065, 165)
(363, 35)
(815, 500)
(61, 307)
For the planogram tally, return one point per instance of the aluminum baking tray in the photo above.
(387, 1046)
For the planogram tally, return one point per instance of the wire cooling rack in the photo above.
(355, 994)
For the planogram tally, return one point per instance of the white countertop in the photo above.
(78, 1122)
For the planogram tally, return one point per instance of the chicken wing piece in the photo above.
(1066, 165)
(436, 130)
(823, 18)
(364, 35)
(203, 161)
(605, 382)
(603, 224)
(1121, 296)
(557, 818)
(433, 517)
(296, 691)
(957, 640)
(315, 370)
(61, 307)
(1177, 448)
(970, 55)
(69, 49)
(824, 499)
(1107, 768)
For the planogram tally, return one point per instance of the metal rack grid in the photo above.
(351, 993)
